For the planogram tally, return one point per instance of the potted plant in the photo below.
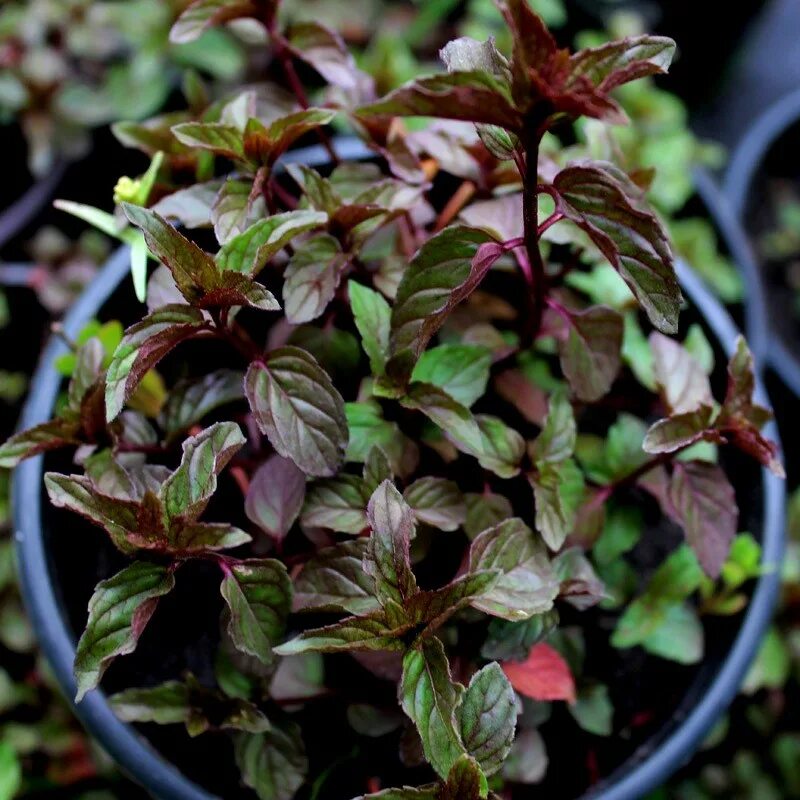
(451, 476)
(760, 186)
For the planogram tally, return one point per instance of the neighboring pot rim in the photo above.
(747, 159)
(644, 770)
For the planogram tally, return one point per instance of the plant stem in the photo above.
(530, 215)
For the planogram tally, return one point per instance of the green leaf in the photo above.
(512, 641)
(679, 637)
(474, 96)
(165, 704)
(202, 14)
(606, 205)
(437, 502)
(339, 504)
(527, 586)
(591, 354)
(369, 429)
(462, 370)
(10, 772)
(274, 763)
(297, 407)
(282, 133)
(119, 611)
(558, 490)
(488, 718)
(372, 316)
(335, 580)
(143, 346)
(404, 793)
(388, 559)
(190, 401)
(431, 699)
(440, 276)
(258, 593)
(593, 710)
(502, 448)
(250, 251)
(556, 442)
(39, 439)
(704, 504)
(234, 210)
(187, 491)
(369, 632)
(312, 277)
(217, 137)
(484, 511)
(275, 496)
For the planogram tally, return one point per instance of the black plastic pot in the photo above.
(747, 160)
(714, 686)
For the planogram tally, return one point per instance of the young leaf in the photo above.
(335, 580)
(629, 235)
(683, 383)
(591, 355)
(544, 675)
(372, 316)
(558, 490)
(275, 496)
(462, 370)
(297, 407)
(250, 251)
(274, 763)
(259, 596)
(387, 559)
(216, 137)
(312, 277)
(465, 781)
(437, 502)
(488, 718)
(187, 491)
(528, 585)
(431, 699)
(119, 611)
(704, 506)
(143, 346)
(439, 277)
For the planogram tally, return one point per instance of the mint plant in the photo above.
(440, 409)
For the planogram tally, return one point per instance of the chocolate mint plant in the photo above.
(423, 506)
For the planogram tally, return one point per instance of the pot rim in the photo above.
(737, 185)
(644, 769)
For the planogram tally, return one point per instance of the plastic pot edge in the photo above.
(134, 754)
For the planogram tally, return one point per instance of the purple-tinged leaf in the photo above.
(203, 14)
(470, 55)
(192, 206)
(190, 401)
(614, 63)
(312, 277)
(527, 763)
(465, 781)
(335, 580)
(527, 585)
(681, 430)
(431, 698)
(473, 96)
(600, 202)
(326, 51)
(369, 632)
(258, 593)
(488, 718)
(388, 559)
(88, 371)
(437, 502)
(501, 216)
(484, 511)
(591, 355)
(297, 407)
(682, 381)
(558, 489)
(234, 209)
(143, 346)
(186, 537)
(440, 276)
(556, 442)
(119, 611)
(40, 439)
(273, 764)
(580, 585)
(275, 497)
(193, 270)
(404, 793)
(166, 704)
(705, 507)
(543, 676)
(338, 504)
(512, 641)
(502, 448)
(187, 491)
(372, 316)
(283, 132)
(250, 251)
